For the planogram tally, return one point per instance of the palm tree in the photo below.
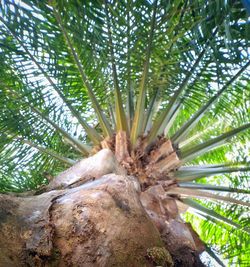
(155, 95)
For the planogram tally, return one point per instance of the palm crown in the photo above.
(163, 84)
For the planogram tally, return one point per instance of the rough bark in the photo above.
(93, 214)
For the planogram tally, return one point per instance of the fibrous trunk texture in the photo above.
(95, 215)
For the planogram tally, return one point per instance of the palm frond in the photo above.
(194, 192)
(140, 105)
(181, 133)
(190, 153)
(189, 173)
(102, 118)
(85, 149)
(214, 215)
(94, 136)
(121, 121)
(166, 115)
(215, 188)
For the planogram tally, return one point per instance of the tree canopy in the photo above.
(75, 72)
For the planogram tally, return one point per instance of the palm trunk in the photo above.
(94, 214)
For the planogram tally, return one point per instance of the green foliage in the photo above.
(74, 72)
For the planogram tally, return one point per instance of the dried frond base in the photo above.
(121, 146)
(151, 164)
(109, 142)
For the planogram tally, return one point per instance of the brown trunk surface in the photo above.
(94, 214)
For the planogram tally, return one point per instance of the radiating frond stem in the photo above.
(199, 172)
(212, 187)
(41, 149)
(149, 113)
(198, 135)
(82, 147)
(77, 143)
(190, 124)
(130, 102)
(202, 194)
(102, 118)
(140, 105)
(164, 117)
(213, 214)
(190, 153)
(49, 152)
(203, 166)
(112, 115)
(121, 121)
(176, 108)
(213, 255)
(92, 133)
